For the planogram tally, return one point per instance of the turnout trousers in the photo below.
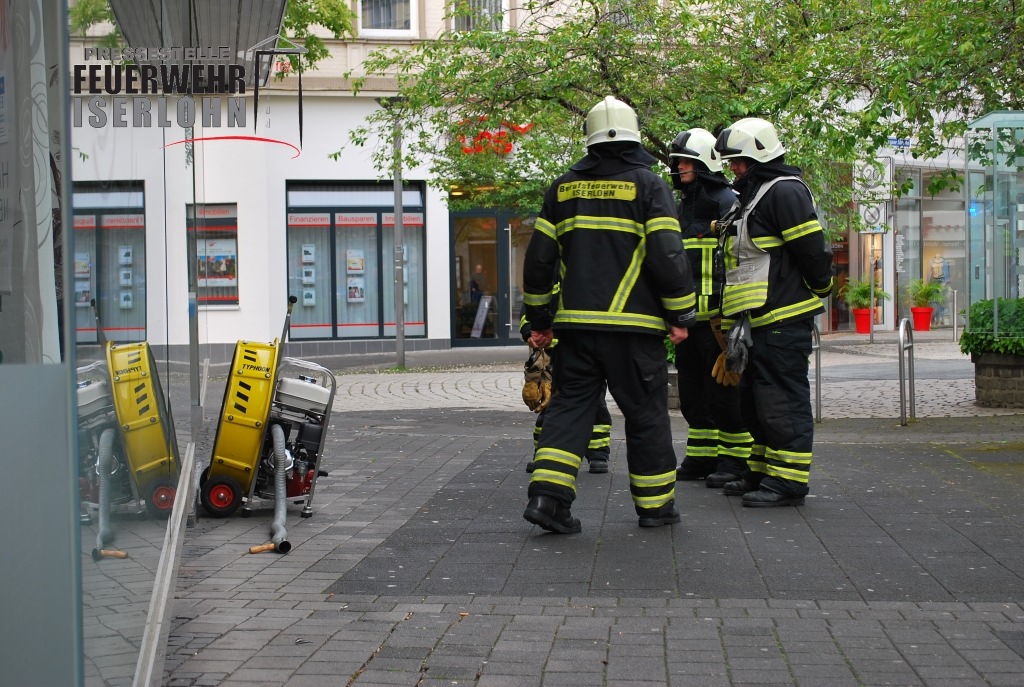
(775, 395)
(600, 437)
(633, 366)
(717, 438)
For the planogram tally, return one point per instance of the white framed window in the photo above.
(387, 18)
(471, 15)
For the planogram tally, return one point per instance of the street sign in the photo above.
(875, 218)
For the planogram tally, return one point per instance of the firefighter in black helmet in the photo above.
(608, 226)
(778, 268)
(717, 441)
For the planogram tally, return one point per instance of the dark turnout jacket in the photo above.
(608, 234)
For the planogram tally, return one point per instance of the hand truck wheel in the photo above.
(221, 496)
(160, 498)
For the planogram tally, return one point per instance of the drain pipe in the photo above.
(278, 533)
(105, 533)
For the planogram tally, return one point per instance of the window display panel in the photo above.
(414, 297)
(121, 282)
(358, 295)
(309, 275)
(109, 262)
(213, 243)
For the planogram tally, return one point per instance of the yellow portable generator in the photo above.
(271, 432)
(128, 451)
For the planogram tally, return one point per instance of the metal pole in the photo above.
(956, 319)
(399, 249)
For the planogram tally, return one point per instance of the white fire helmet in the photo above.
(697, 144)
(610, 121)
(750, 137)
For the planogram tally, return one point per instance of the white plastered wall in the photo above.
(254, 176)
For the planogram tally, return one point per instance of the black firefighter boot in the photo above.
(598, 462)
(549, 513)
(666, 515)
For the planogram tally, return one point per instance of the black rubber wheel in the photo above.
(221, 496)
(160, 498)
(203, 476)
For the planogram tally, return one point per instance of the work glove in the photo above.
(722, 374)
(537, 380)
(737, 351)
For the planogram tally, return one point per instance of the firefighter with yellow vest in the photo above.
(608, 231)
(717, 441)
(778, 268)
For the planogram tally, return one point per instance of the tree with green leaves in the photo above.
(837, 78)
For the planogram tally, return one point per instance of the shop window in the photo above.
(213, 245)
(109, 262)
(341, 261)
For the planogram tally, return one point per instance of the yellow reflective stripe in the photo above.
(537, 298)
(661, 480)
(735, 437)
(756, 465)
(686, 302)
(792, 457)
(790, 311)
(735, 451)
(629, 278)
(824, 291)
(695, 433)
(702, 243)
(604, 223)
(559, 478)
(558, 456)
(599, 443)
(766, 242)
(801, 230)
(793, 475)
(602, 428)
(654, 501)
(744, 297)
(662, 224)
(545, 227)
(695, 451)
(607, 318)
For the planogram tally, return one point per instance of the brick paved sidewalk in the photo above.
(904, 568)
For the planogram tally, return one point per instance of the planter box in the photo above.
(673, 388)
(998, 380)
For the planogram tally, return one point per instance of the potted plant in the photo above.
(997, 351)
(924, 295)
(857, 295)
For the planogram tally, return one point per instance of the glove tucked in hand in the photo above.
(537, 380)
(737, 350)
(722, 374)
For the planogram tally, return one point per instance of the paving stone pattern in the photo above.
(905, 566)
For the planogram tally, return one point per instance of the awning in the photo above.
(240, 25)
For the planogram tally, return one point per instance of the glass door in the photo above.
(487, 293)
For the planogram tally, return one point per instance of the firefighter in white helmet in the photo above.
(778, 268)
(608, 231)
(717, 441)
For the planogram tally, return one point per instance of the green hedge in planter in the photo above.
(981, 335)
